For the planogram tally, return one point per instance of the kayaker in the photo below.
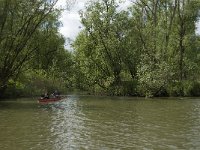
(45, 95)
(56, 94)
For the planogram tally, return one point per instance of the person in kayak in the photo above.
(56, 94)
(45, 95)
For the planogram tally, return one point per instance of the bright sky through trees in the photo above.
(71, 20)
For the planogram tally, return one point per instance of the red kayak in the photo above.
(49, 100)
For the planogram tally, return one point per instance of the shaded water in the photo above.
(100, 123)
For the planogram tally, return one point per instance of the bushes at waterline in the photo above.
(186, 88)
(34, 84)
(195, 89)
(132, 88)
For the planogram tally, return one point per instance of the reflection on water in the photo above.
(100, 123)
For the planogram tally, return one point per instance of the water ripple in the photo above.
(100, 123)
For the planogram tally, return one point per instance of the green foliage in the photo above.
(195, 89)
(101, 49)
(32, 54)
(153, 45)
(35, 83)
(151, 49)
(190, 88)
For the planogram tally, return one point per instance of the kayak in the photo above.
(49, 100)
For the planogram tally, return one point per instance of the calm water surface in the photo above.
(80, 122)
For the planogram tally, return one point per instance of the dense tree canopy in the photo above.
(149, 50)
(29, 41)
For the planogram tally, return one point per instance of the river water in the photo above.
(87, 122)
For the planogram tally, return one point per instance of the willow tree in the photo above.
(187, 16)
(20, 21)
(163, 29)
(104, 44)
